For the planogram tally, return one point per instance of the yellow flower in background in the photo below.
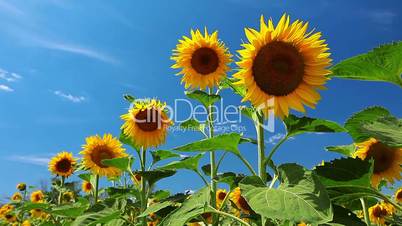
(10, 218)
(285, 64)
(146, 123)
(5, 209)
(37, 197)
(16, 197)
(379, 212)
(21, 186)
(239, 201)
(37, 213)
(98, 149)
(398, 195)
(203, 60)
(86, 186)
(26, 223)
(220, 196)
(387, 160)
(68, 196)
(153, 223)
(62, 164)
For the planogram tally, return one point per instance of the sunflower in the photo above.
(68, 196)
(10, 218)
(98, 149)
(26, 223)
(37, 197)
(398, 195)
(380, 211)
(207, 217)
(62, 164)
(146, 123)
(17, 197)
(220, 196)
(21, 186)
(5, 209)
(387, 160)
(86, 186)
(239, 201)
(37, 213)
(153, 223)
(284, 64)
(203, 60)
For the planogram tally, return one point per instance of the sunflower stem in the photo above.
(143, 185)
(365, 211)
(212, 162)
(230, 216)
(60, 191)
(96, 188)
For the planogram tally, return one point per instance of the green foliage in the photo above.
(193, 124)
(298, 125)
(122, 164)
(300, 197)
(155, 175)
(346, 150)
(160, 155)
(376, 122)
(344, 217)
(380, 64)
(190, 163)
(203, 97)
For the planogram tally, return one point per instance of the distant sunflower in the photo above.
(146, 123)
(62, 164)
(239, 201)
(387, 160)
(17, 197)
(37, 197)
(10, 218)
(379, 212)
(398, 195)
(153, 223)
(37, 213)
(285, 64)
(203, 60)
(68, 196)
(5, 209)
(86, 186)
(26, 223)
(137, 178)
(98, 149)
(21, 186)
(220, 196)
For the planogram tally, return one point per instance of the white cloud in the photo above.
(69, 97)
(31, 159)
(6, 88)
(9, 76)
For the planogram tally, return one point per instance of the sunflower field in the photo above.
(278, 72)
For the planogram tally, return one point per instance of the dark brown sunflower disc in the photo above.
(205, 60)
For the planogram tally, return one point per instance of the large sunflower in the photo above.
(387, 160)
(62, 164)
(239, 201)
(284, 64)
(203, 60)
(146, 123)
(98, 149)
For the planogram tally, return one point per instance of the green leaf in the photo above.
(230, 179)
(296, 125)
(192, 207)
(190, 163)
(381, 64)
(93, 219)
(128, 141)
(229, 83)
(122, 164)
(160, 155)
(203, 97)
(30, 206)
(206, 169)
(227, 142)
(116, 222)
(344, 217)
(346, 150)
(156, 207)
(85, 176)
(129, 98)
(345, 171)
(376, 122)
(72, 210)
(155, 175)
(300, 197)
(161, 194)
(193, 125)
(347, 193)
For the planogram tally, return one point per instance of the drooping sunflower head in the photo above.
(37, 197)
(379, 212)
(387, 160)
(21, 186)
(17, 197)
(398, 195)
(37, 213)
(68, 196)
(203, 60)
(98, 149)
(146, 123)
(86, 186)
(62, 164)
(282, 67)
(239, 201)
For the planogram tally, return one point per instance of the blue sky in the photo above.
(64, 66)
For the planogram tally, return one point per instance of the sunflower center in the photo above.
(148, 120)
(221, 195)
(243, 204)
(88, 186)
(379, 212)
(399, 195)
(63, 165)
(101, 153)
(205, 60)
(383, 156)
(278, 68)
